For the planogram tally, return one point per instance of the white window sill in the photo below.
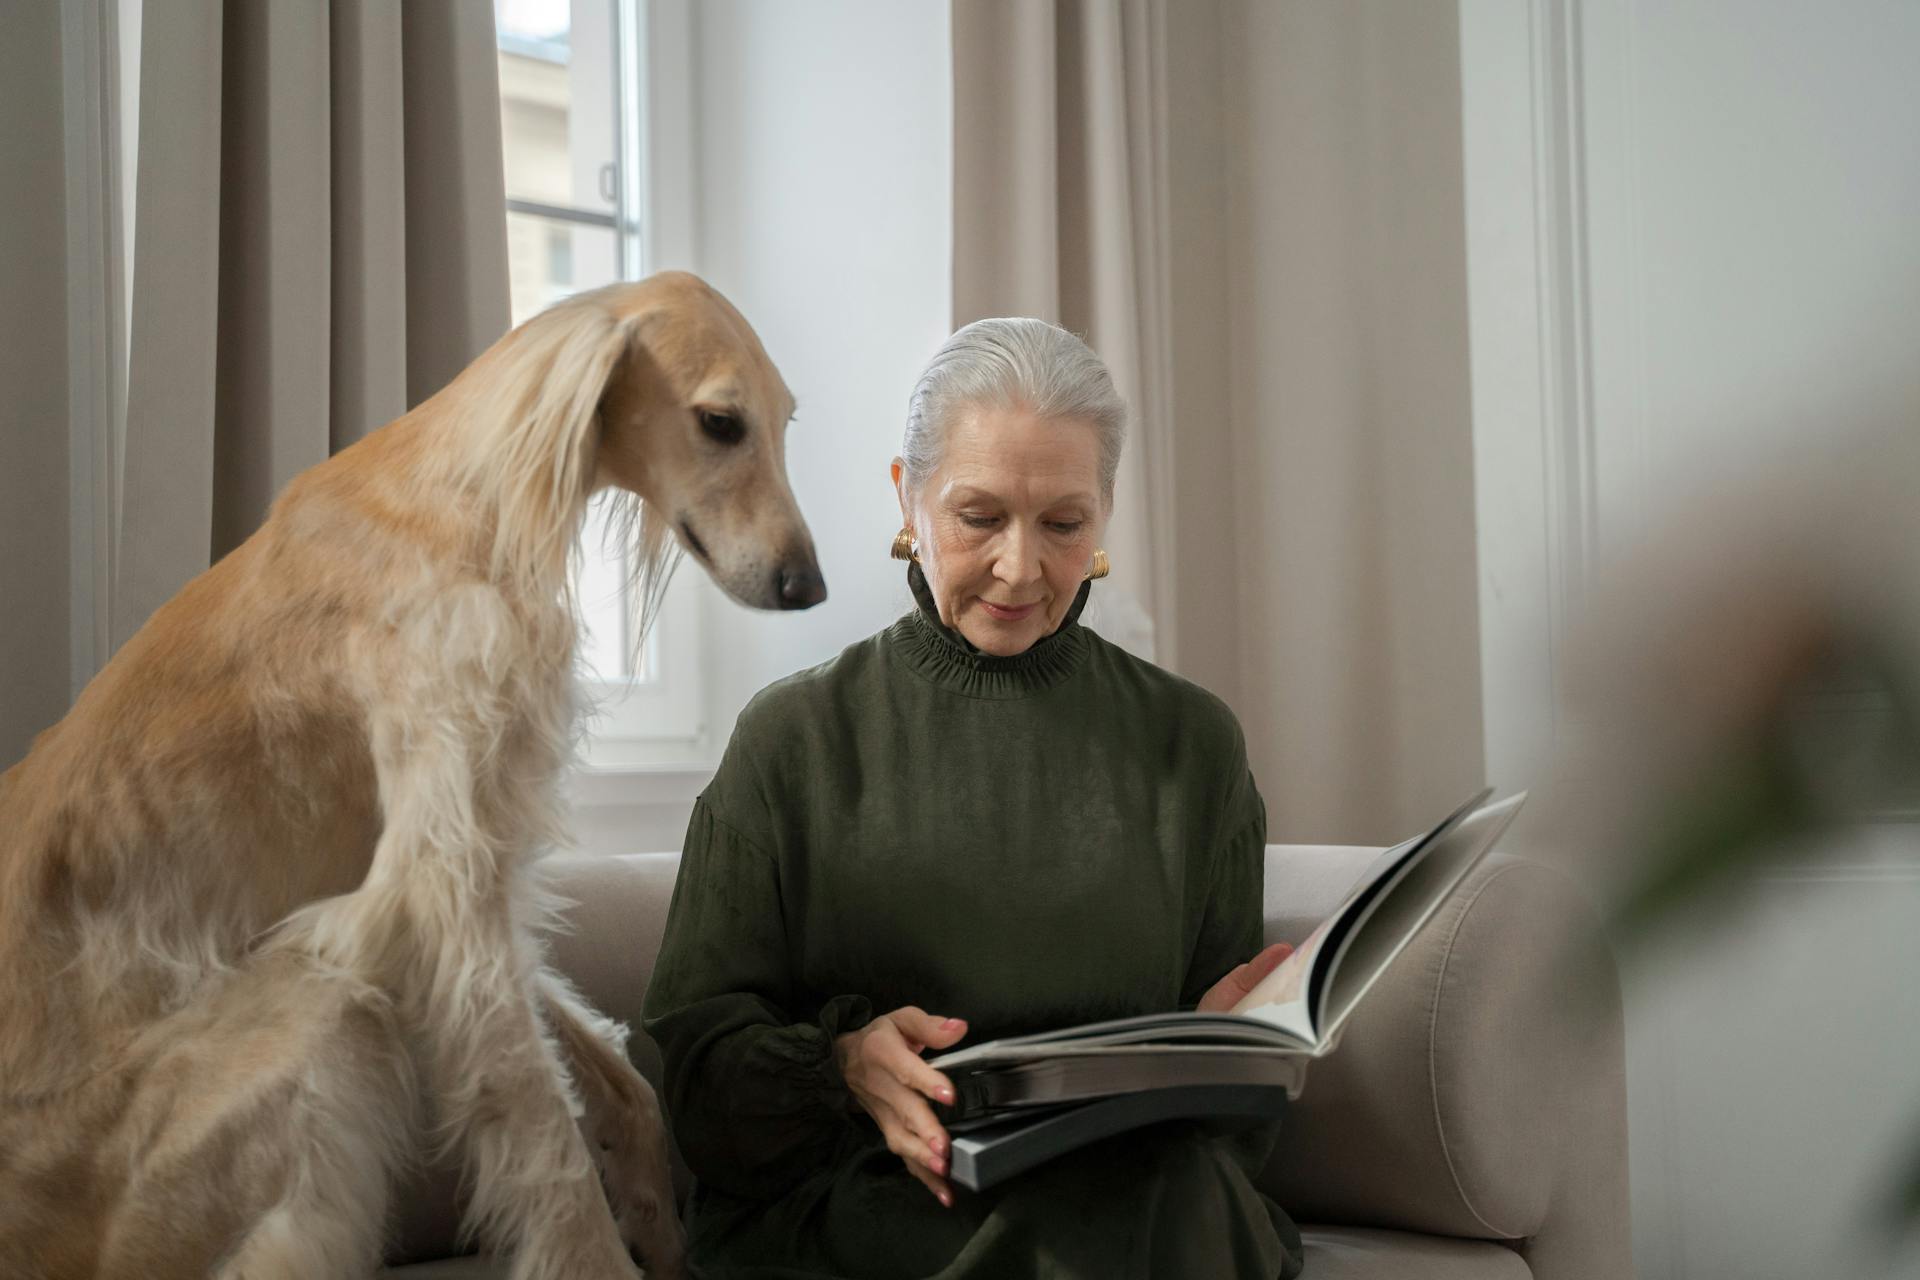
(640, 809)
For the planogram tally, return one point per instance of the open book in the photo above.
(1026, 1099)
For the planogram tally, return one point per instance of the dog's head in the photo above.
(661, 390)
(693, 419)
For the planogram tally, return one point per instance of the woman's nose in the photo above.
(1018, 562)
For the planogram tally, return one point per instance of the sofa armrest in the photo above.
(1479, 1090)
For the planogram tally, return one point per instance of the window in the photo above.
(572, 111)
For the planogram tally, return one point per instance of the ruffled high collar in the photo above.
(950, 660)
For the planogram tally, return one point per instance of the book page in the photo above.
(1281, 997)
(1404, 908)
(1169, 1028)
(1285, 1011)
(1290, 995)
(1288, 984)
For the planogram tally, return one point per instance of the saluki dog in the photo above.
(268, 897)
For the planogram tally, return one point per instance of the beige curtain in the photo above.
(1253, 210)
(320, 243)
(34, 533)
(1351, 410)
(1060, 211)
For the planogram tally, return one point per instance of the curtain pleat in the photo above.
(320, 244)
(1060, 212)
(369, 229)
(457, 297)
(271, 347)
(164, 531)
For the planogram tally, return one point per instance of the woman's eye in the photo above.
(978, 522)
(1066, 526)
(722, 427)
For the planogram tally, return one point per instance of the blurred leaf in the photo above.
(1760, 797)
(1898, 1213)
(1741, 813)
(1753, 804)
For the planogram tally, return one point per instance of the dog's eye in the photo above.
(722, 427)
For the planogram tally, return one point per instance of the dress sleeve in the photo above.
(753, 1093)
(1231, 910)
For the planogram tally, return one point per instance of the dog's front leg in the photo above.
(496, 1090)
(624, 1128)
(441, 920)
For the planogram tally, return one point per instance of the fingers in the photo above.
(1239, 981)
(922, 1145)
(903, 1060)
(915, 1118)
(1266, 962)
(941, 1188)
(1246, 977)
(911, 1144)
(923, 1030)
(911, 1070)
(899, 1082)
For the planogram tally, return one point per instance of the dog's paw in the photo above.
(639, 1189)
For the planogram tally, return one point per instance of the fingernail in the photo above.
(945, 1095)
(946, 1198)
(947, 1024)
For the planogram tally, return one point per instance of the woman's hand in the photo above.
(883, 1069)
(1230, 990)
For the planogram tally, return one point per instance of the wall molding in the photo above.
(1571, 480)
(1531, 430)
(96, 291)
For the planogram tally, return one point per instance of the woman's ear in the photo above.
(900, 490)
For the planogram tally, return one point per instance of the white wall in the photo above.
(825, 176)
(821, 204)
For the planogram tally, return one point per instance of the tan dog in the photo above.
(267, 893)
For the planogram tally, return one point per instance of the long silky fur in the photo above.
(409, 601)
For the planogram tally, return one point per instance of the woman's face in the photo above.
(1007, 526)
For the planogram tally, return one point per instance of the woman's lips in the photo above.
(1006, 613)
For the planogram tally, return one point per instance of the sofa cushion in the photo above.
(1361, 1253)
(476, 1268)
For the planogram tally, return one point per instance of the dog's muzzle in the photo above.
(799, 586)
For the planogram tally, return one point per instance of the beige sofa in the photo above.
(1471, 1126)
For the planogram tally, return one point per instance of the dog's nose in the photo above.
(801, 587)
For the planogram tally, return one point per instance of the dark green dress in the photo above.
(1028, 842)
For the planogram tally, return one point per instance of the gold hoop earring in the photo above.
(1101, 566)
(903, 545)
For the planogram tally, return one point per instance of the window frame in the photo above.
(654, 716)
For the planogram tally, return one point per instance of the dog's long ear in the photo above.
(532, 417)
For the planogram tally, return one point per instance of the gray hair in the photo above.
(1007, 363)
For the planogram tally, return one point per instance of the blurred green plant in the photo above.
(1765, 796)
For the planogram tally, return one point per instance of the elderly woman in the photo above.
(985, 820)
